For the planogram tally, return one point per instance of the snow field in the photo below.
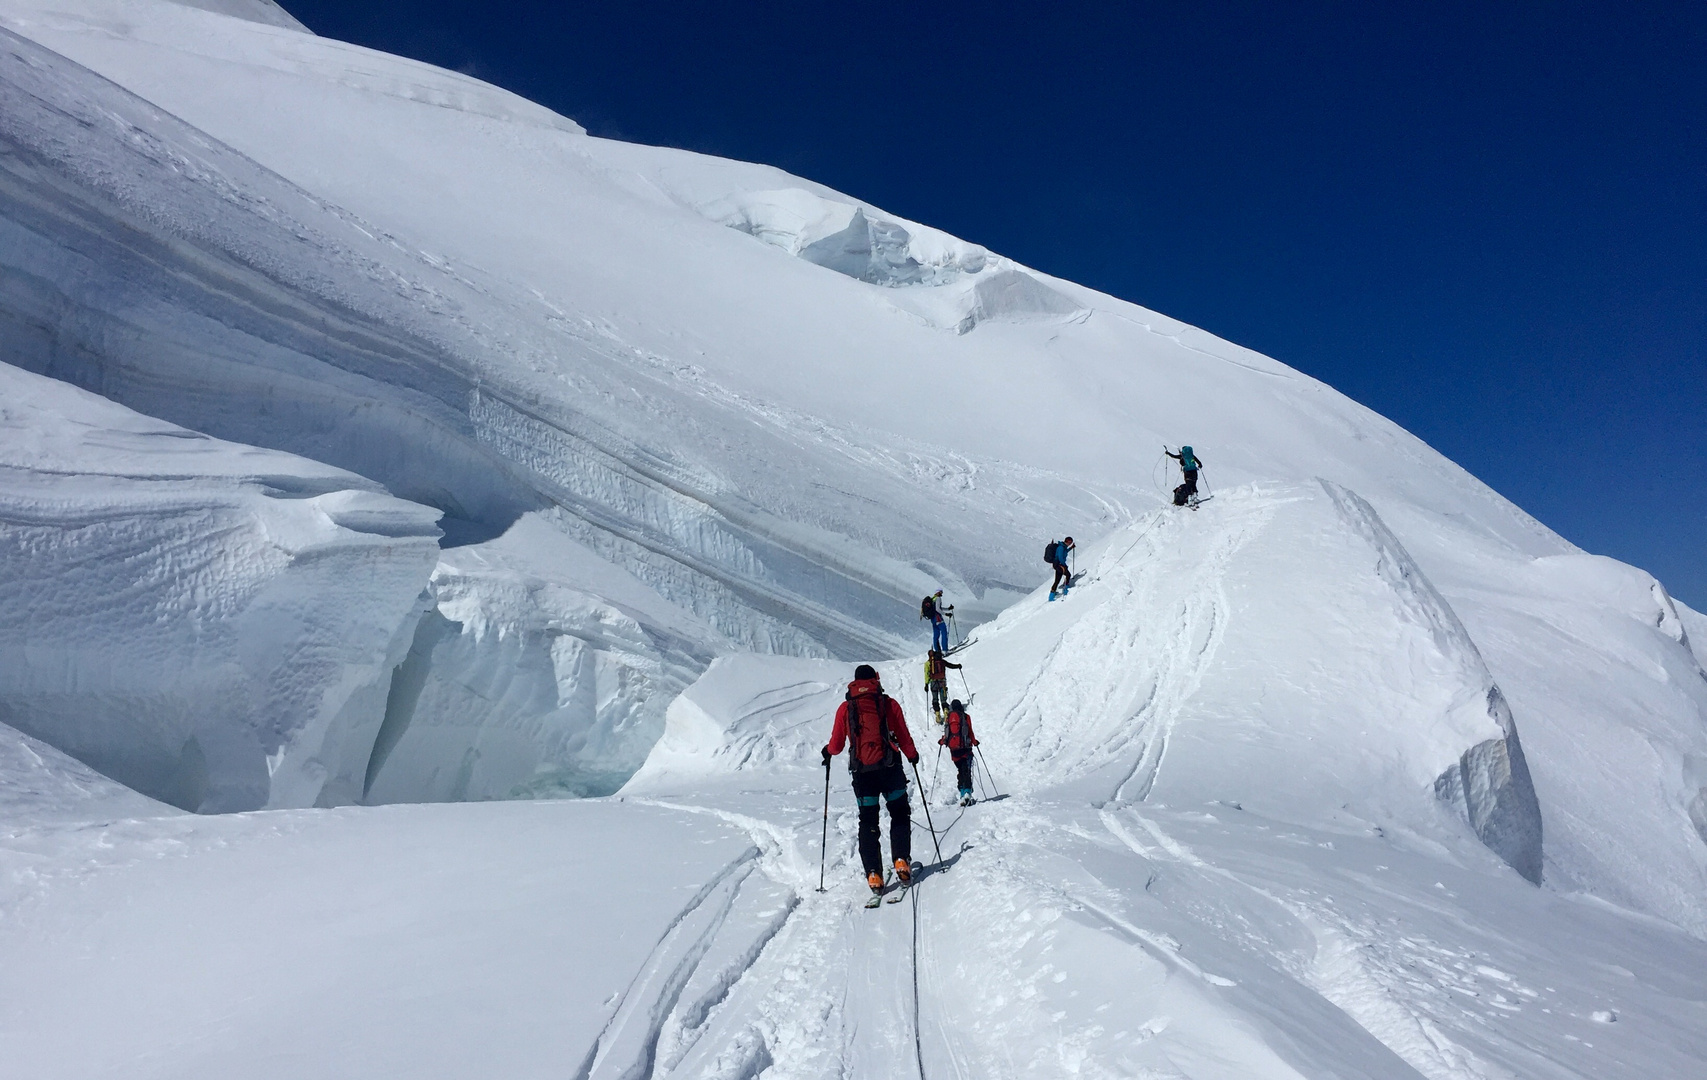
(404, 941)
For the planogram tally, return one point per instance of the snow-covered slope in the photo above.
(1211, 841)
(784, 411)
(1278, 777)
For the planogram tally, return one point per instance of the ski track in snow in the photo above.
(1337, 971)
(658, 399)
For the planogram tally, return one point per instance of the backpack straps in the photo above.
(880, 701)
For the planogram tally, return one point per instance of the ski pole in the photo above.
(954, 622)
(926, 803)
(824, 840)
(936, 766)
(984, 774)
(986, 765)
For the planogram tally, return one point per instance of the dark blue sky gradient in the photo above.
(1487, 221)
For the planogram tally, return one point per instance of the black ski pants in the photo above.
(1062, 576)
(963, 768)
(883, 786)
(1185, 491)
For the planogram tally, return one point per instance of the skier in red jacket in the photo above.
(957, 736)
(869, 723)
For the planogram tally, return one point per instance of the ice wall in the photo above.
(213, 625)
(541, 670)
(153, 265)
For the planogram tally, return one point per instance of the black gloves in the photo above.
(914, 760)
(826, 753)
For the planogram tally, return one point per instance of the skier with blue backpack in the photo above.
(1186, 493)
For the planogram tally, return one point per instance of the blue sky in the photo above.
(1487, 221)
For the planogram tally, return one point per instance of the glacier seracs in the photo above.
(1279, 775)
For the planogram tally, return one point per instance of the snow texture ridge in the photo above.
(541, 670)
(266, 12)
(1202, 659)
(41, 785)
(211, 624)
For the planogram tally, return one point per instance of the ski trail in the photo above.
(879, 1039)
(1114, 679)
(627, 1047)
(1201, 619)
(826, 988)
(1336, 970)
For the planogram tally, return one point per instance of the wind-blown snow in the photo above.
(257, 11)
(212, 624)
(1278, 778)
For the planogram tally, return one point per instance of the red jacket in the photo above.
(897, 723)
(958, 735)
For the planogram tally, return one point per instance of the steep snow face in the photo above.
(541, 670)
(265, 12)
(211, 624)
(1202, 660)
(625, 309)
(40, 785)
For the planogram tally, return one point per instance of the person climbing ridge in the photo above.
(936, 681)
(1056, 555)
(958, 737)
(1186, 493)
(870, 724)
(932, 608)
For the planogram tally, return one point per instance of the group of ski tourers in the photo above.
(871, 727)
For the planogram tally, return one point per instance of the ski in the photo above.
(956, 648)
(900, 893)
(1195, 503)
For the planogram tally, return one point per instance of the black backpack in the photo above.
(1049, 551)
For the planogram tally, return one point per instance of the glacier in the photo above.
(372, 437)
